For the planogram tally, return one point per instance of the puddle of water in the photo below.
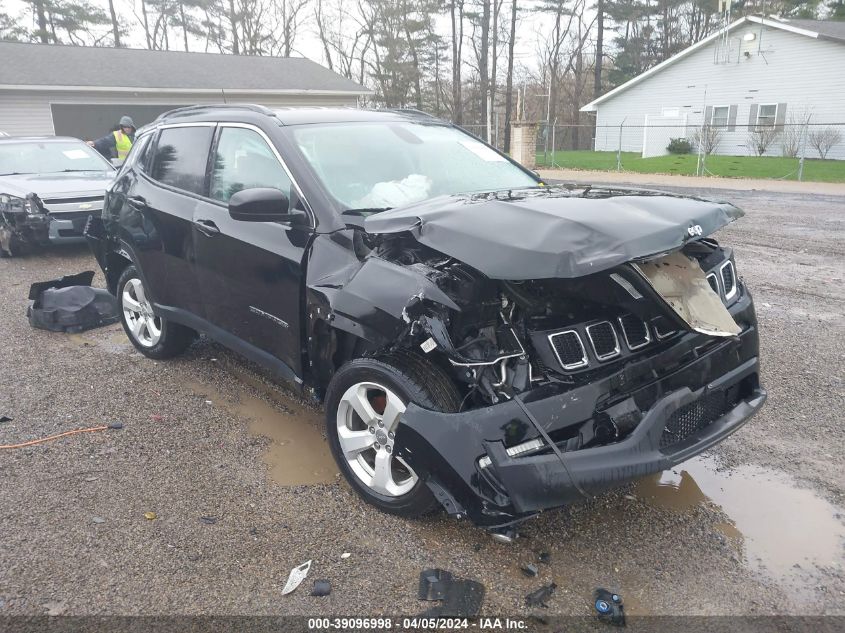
(297, 454)
(779, 524)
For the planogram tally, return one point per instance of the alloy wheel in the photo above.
(367, 416)
(144, 326)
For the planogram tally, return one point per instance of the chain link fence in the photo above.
(795, 151)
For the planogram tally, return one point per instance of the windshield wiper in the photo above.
(19, 173)
(64, 171)
(365, 211)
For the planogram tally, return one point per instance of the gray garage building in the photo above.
(83, 91)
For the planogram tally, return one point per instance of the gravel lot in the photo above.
(755, 528)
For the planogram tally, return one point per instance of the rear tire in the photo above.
(364, 402)
(153, 336)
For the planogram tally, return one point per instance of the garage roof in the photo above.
(49, 66)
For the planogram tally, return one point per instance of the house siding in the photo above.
(28, 112)
(803, 73)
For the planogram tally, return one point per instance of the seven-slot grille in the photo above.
(635, 331)
(728, 279)
(569, 349)
(604, 341)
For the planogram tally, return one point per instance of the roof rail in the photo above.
(216, 106)
(414, 111)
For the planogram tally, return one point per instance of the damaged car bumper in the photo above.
(495, 466)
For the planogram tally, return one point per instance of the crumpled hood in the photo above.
(60, 185)
(539, 234)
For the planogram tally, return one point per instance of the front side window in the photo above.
(766, 115)
(243, 160)
(385, 164)
(49, 157)
(181, 155)
(720, 116)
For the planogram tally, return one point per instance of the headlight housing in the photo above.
(15, 204)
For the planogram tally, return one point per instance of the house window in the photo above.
(720, 115)
(767, 114)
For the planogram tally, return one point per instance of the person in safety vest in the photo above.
(118, 143)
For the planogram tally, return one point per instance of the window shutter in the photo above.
(752, 116)
(732, 119)
(780, 119)
(708, 115)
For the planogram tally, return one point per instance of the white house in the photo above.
(83, 91)
(757, 72)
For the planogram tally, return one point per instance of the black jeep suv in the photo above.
(480, 339)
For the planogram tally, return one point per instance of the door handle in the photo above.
(206, 227)
(137, 202)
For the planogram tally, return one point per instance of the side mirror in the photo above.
(264, 205)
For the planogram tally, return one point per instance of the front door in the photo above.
(250, 273)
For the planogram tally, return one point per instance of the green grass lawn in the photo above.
(685, 164)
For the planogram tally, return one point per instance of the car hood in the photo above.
(57, 185)
(557, 232)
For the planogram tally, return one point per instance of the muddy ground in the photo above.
(755, 527)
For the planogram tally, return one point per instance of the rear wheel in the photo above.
(151, 335)
(364, 404)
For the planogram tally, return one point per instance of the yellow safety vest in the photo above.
(123, 144)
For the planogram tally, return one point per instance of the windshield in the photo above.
(49, 157)
(379, 165)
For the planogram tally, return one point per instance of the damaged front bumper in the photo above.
(680, 402)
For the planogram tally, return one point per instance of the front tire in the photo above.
(152, 335)
(364, 403)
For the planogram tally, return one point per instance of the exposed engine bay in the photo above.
(508, 336)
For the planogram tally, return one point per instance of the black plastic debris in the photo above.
(609, 607)
(545, 558)
(434, 584)
(70, 304)
(208, 520)
(321, 588)
(459, 598)
(5, 418)
(539, 597)
(530, 570)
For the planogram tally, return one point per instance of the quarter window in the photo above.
(181, 156)
(767, 114)
(720, 116)
(243, 160)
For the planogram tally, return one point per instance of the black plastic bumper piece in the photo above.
(445, 448)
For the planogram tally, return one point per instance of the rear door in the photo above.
(250, 272)
(159, 214)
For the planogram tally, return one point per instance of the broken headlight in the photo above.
(14, 204)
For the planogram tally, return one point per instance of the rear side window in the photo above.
(181, 156)
(245, 161)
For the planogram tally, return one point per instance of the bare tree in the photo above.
(509, 80)
(456, 12)
(707, 139)
(824, 140)
(760, 138)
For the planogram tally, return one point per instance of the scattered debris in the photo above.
(55, 607)
(321, 588)
(433, 584)
(545, 558)
(5, 418)
(530, 570)
(539, 597)
(345, 555)
(609, 608)
(98, 520)
(70, 304)
(149, 516)
(297, 575)
(209, 520)
(41, 440)
(459, 598)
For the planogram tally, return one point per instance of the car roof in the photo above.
(38, 139)
(291, 115)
